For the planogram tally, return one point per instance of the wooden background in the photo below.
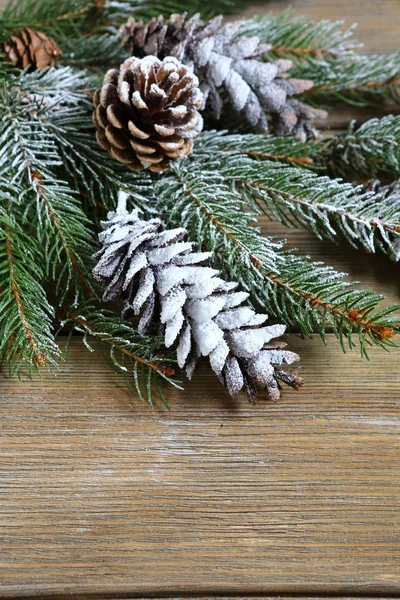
(103, 497)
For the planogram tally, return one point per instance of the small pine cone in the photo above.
(33, 48)
(227, 62)
(147, 112)
(162, 279)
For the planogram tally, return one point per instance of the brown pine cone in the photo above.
(147, 112)
(33, 48)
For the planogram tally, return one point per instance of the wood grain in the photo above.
(103, 497)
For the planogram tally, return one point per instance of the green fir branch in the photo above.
(51, 210)
(293, 195)
(325, 53)
(371, 150)
(304, 294)
(86, 166)
(67, 20)
(26, 337)
(70, 16)
(300, 39)
(260, 146)
(360, 80)
(329, 208)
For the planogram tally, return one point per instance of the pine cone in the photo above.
(389, 194)
(31, 48)
(225, 61)
(160, 277)
(146, 112)
(389, 191)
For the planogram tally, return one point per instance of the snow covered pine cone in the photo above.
(147, 112)
(29, 47)
(389, 194)
(229, 63)
(162, 279)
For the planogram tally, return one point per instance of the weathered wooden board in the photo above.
(101, 496)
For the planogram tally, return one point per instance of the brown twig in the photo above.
(395, 81)
(69, 15)
(166, 371)
(289, 159)
(301, 51)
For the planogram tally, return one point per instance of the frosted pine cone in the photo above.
(225, 61)
(389, 195)
(31, 48)
(162, 279)
(147, 112)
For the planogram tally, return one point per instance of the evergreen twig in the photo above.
(330, 208)
(307, 295)
(26, 336)
(371, 150)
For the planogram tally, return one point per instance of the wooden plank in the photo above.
(102, 495)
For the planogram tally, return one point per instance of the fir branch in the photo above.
(29, 155)
(261, 146)
(361, 80)
(97, 50)
(86, 166)
(299, 38)
(324, 53)
(65, 237)
(304, 294)
(67, 20)
(53, 89)
(25, 314)
(45, 15)
(144, 353)
(228, 228)
(330, 208)
(371, 150)
(146, 9)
